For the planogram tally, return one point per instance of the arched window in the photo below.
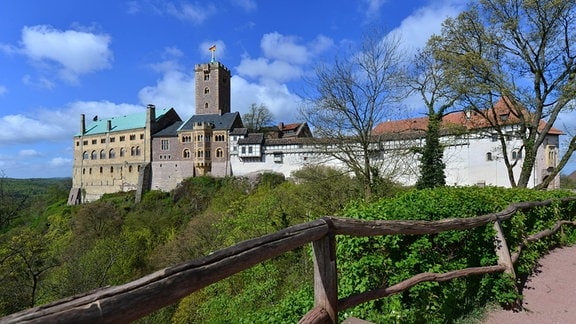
(186, 154)
(489, 156)
(132, 151)
(219, 153)
(111, 154)
(122, 152)
(94, 155)
(206, 105)
(101, 169)
(85, 155)
(102, 154)
(137, 150)
(206, 90)
(111, 169)
(129, 168)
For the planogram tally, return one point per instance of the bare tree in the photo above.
(524, 52)
(257, 117)
(352, 95)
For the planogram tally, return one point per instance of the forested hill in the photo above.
(50, 250)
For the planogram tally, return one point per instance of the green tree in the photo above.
(24, 260)
(11, 203)
(522, 51)
(353, 94)
(257, 117)
(433, 84)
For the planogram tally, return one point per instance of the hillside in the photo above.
(63, 250)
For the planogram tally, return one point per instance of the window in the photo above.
(206, 90)
(516, 155)
(129, 168)
(186, 154)
(102, 155)
(165, 145)
(551, 156)
(94, 141)
(243, 149)
(494, 137)
(111, 154)
(206, 105)
(102, 140)
(94, 155)
(277, 157)
(85, 155)
(132, 137)
(101, 169)
(250, 149)
(122, 152)
(489, 156)
(219, 138)
(122, 138)
(141, 136)
(77, 143)
(112, 139)
(132, 151)
(84, 142)
(207, 155)
(186, 139)
(111, 169)
(200, 138)
(206, 76)
(219, 153)
(138, 150)
(504, 117)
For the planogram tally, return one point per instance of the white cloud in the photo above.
(175, 89)
(277, 97)
(71, 52)
(192, 12)
(29, 153)
(56, 124)
(60, 161)
(372, 8)
(265, 70)
(415, 30)
(247, 5)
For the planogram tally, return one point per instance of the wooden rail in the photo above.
(138, 298)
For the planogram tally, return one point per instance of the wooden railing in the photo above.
(164, 287)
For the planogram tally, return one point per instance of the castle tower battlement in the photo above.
(212, 88)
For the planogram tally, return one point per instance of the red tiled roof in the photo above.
(469, 120)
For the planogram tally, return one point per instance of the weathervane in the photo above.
(212, 49)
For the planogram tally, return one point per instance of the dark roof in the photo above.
(170, 131)
(254, 138)
(227, 121)
(239, 131)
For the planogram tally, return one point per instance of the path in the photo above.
(549, 295)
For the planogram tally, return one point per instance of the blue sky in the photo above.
(63, 58)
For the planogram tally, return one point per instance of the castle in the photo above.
(156, 149)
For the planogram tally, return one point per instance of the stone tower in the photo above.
(212, 88)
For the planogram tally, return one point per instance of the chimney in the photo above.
(151, 117)
(82, 124)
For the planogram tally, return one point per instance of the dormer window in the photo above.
(504, 117)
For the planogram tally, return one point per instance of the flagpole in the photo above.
(213, 51)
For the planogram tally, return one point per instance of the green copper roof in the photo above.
(120, 123)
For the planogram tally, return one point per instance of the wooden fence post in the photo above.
(502, 250)
(325, 280)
